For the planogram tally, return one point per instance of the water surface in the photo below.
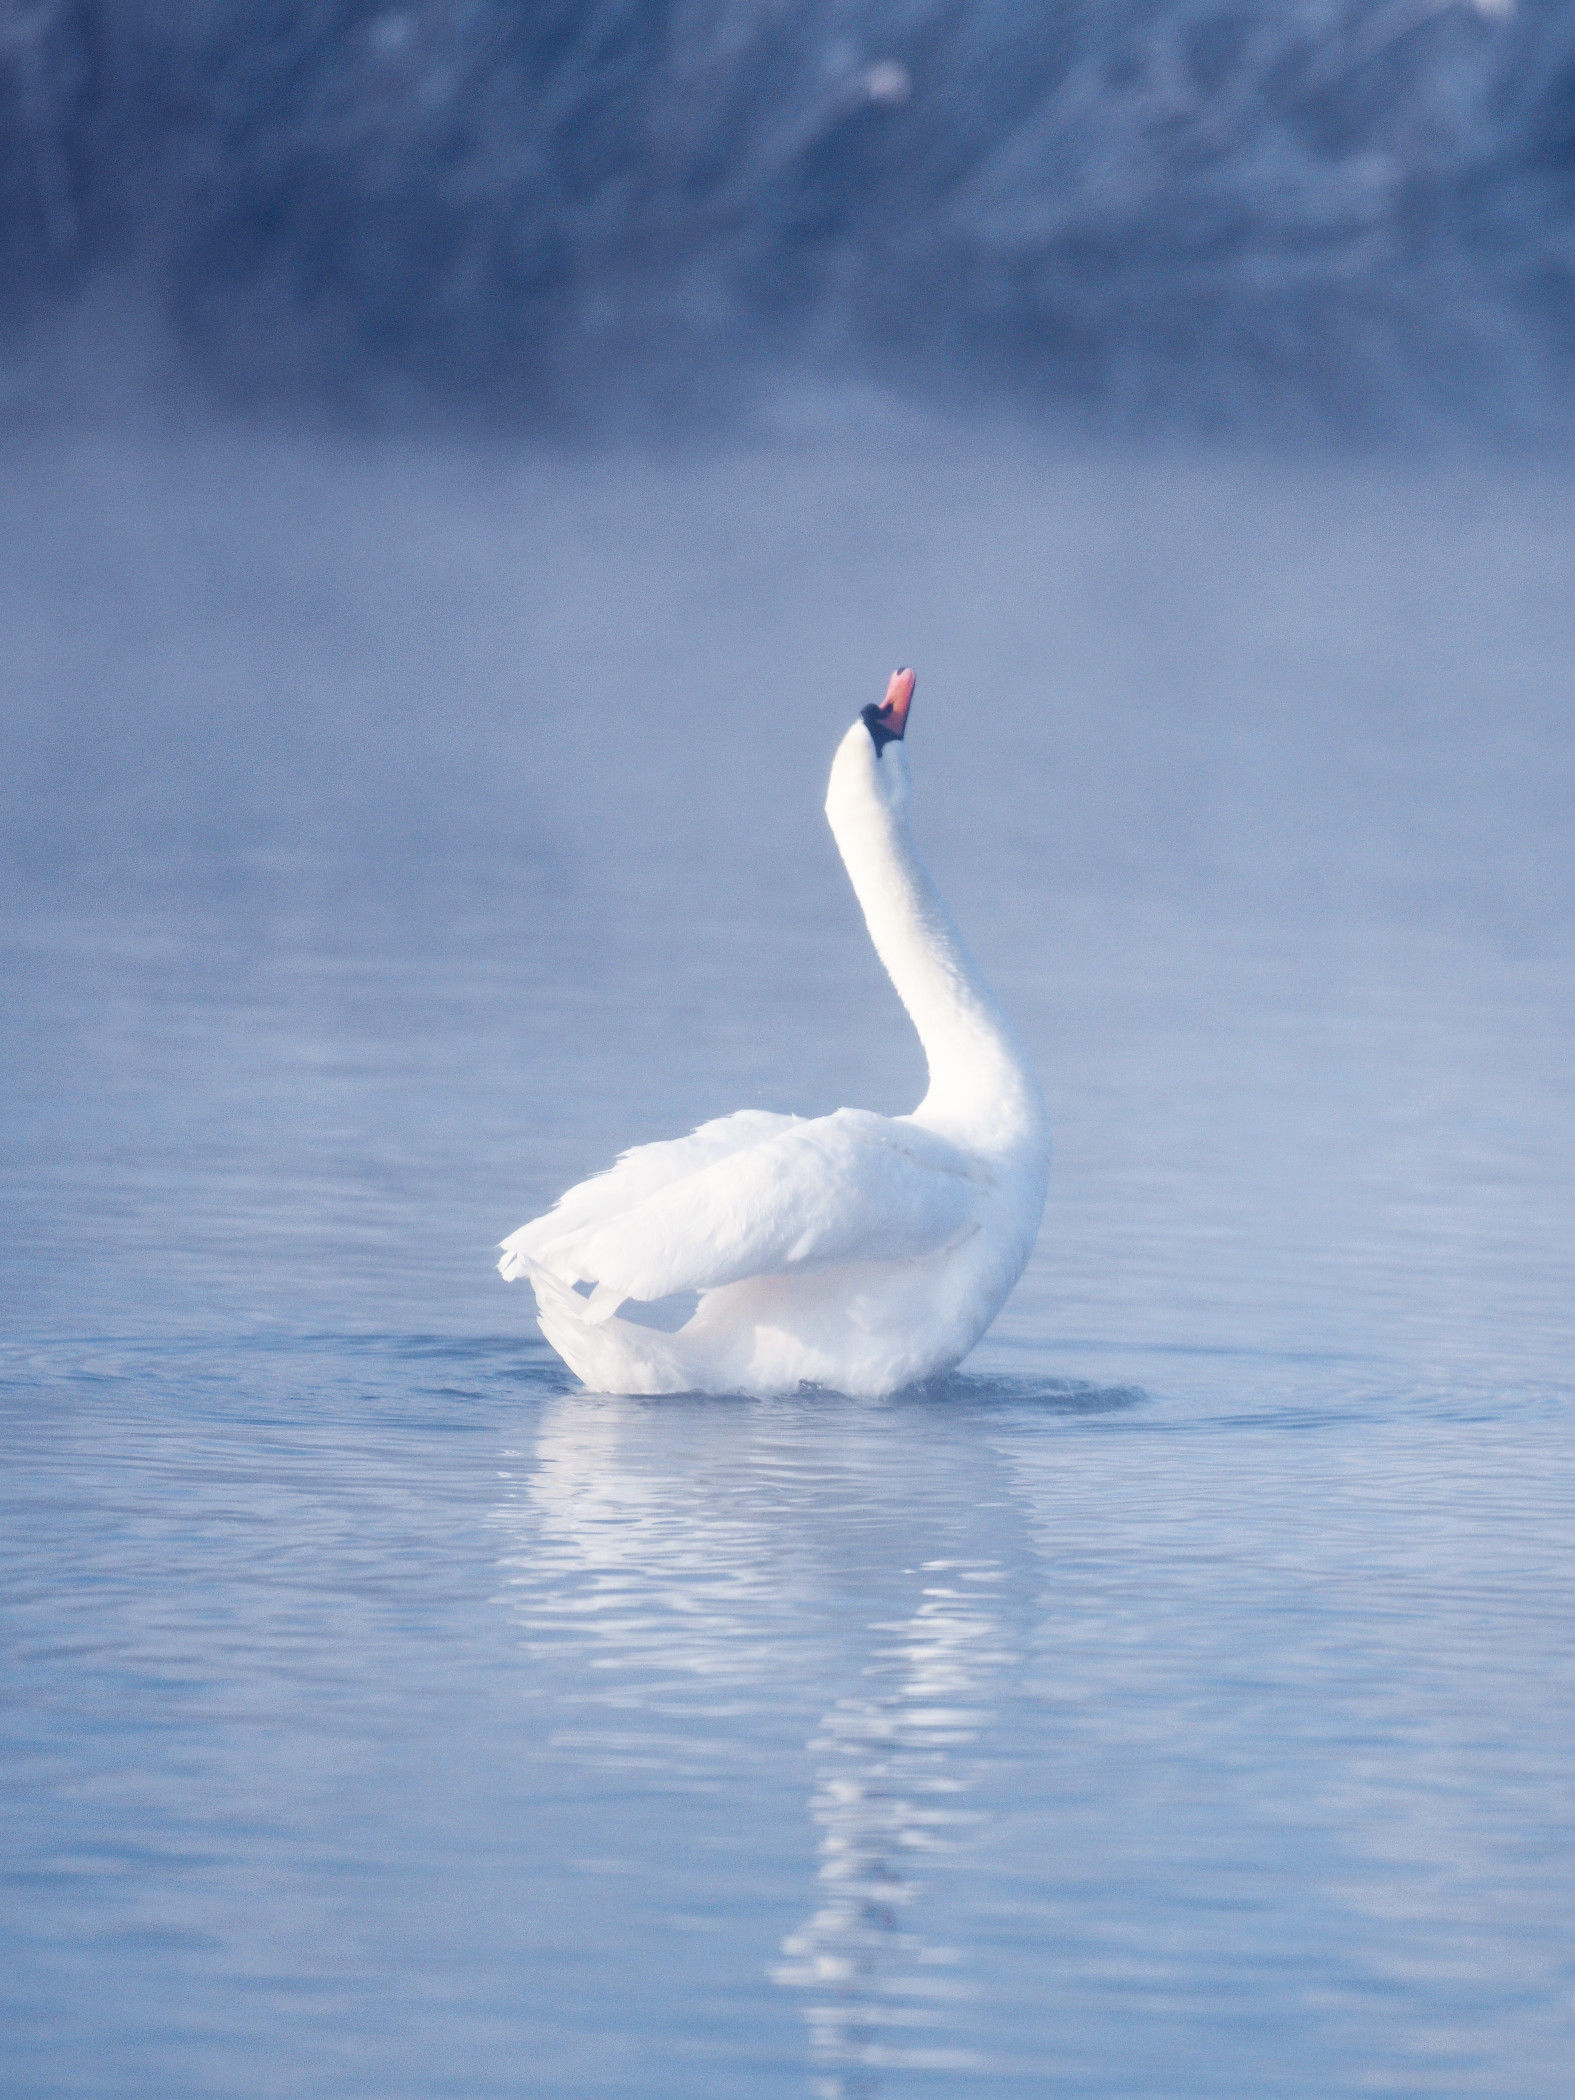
(1175, 1701)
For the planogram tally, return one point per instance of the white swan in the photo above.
(855, 1251)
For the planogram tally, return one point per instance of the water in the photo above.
(1178, 1700)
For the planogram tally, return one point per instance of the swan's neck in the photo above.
(982, 1089)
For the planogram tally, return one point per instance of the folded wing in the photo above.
(638, 1173)
(846, 1187)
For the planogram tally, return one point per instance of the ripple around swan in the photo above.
(1052, 1396)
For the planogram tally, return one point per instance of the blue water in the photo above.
(1176, 1701)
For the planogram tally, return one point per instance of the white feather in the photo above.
(849, 1186)
(639, 1173)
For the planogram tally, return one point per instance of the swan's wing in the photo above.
(638, 1174)
(845, 1187)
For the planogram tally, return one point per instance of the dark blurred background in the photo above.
(1220, 212)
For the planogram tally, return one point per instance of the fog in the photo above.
(1247, 772)
(1249, 681)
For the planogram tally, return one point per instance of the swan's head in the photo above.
(870, 763)
(887, 722)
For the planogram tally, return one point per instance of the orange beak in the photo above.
(893, 710)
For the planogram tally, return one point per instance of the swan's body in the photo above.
(856, 1251)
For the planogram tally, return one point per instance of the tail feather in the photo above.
(610, 1354)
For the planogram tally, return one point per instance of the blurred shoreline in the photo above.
(1328, 219)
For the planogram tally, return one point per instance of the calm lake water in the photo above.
(1178, 1700)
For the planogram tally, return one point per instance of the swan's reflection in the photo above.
(697, 1558)
(892, 1775)
(636, 1559)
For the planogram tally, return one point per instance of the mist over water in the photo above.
(402, 810)
(1242, 769)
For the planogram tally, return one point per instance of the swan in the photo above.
(854, 1251)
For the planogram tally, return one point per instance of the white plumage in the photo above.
(856, 1251)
